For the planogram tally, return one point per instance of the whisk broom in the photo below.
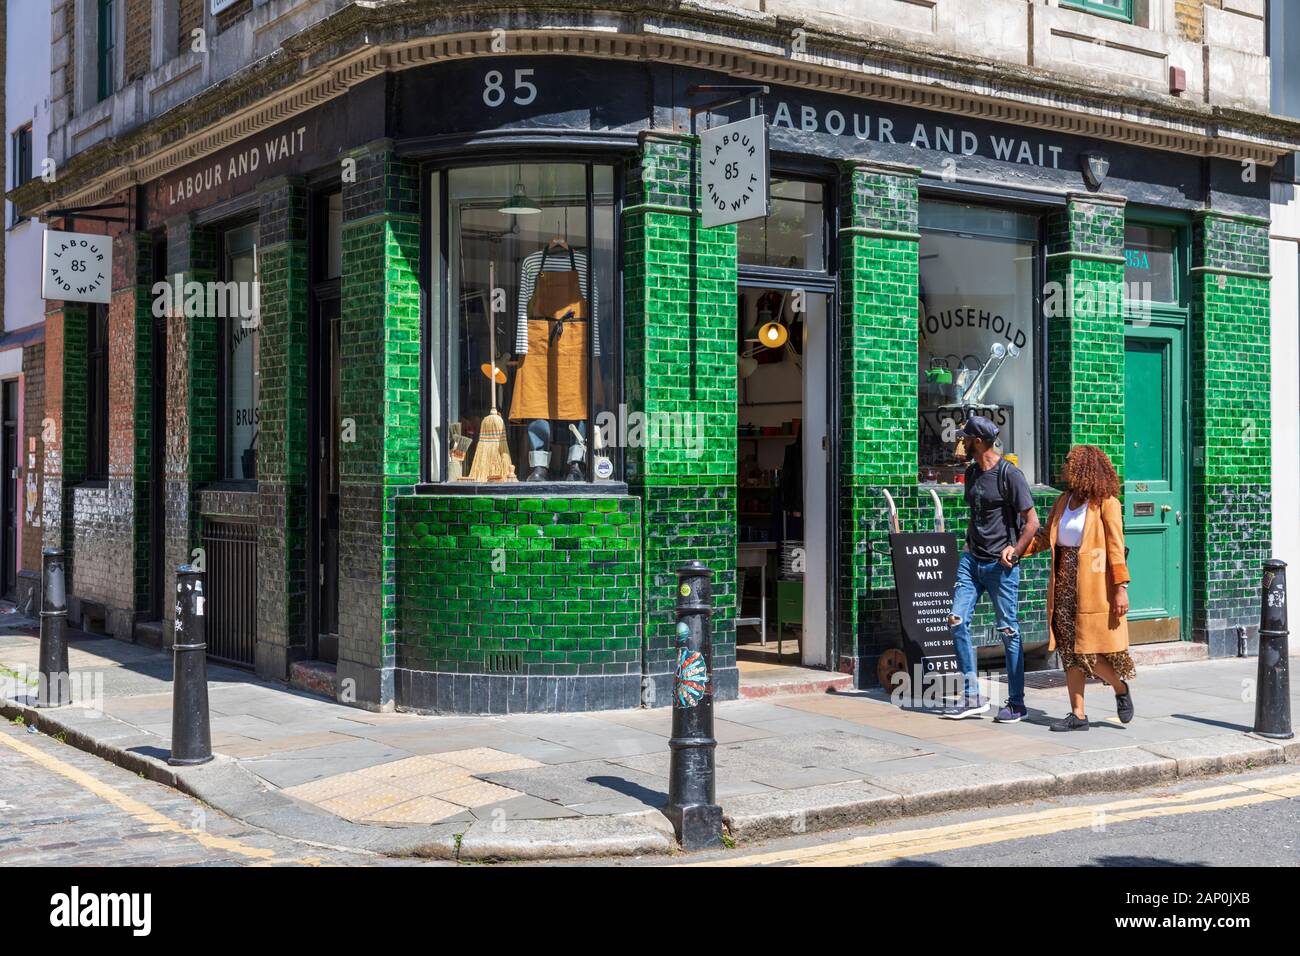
(492, 454)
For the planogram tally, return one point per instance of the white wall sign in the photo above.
(77, 267)
(219, 5)
(736, 185)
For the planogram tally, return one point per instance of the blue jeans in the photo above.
(1002, 584)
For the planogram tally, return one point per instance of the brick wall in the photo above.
(518, 603)
(675, 308)
(188, 18)
(283, 442)
(139, 34)
(878, 398)
(1085, 346)
(1189, 16)
(233, 14)
(191, 457)
(1231, 435)
(379, 385)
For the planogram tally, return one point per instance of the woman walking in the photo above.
(1087, 597)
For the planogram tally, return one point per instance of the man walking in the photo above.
(1002, 523)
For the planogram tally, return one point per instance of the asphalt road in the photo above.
(60, 806)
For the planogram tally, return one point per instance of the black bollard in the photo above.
(1273, 684)
(692, 805)
(54, 688)
(191, 731)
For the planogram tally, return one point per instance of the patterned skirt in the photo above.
(1065, 605)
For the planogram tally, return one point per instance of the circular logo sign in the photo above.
(77, 267)
(604, 469)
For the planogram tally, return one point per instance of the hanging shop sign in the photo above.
(77, 267)
(735, 183)
(925, 572)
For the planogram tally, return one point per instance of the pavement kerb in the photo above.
(231, 789)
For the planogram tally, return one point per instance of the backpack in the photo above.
(1014, 521)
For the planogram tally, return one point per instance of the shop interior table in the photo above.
(755, 554)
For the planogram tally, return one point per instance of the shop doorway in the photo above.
(782, 480)
(1157, 475)
(1155, 490)
(9, 491)
(326, 434)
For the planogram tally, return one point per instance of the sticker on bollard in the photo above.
(692, 789)
(191, 727)
(1273, 680)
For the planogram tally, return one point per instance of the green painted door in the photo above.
(1155, 489)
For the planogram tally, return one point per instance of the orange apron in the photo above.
(552, 381)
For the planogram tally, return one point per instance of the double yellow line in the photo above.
(145, 814)
(999, 829)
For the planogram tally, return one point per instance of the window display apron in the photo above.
(552, 381)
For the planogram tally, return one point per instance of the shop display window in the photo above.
(529, 262)
(239, 369)
(978, 333)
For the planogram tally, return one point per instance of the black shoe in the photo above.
(1124, 705)
(1071, 722)
(574, 472)
(538, 473)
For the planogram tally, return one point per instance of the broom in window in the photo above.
(492, 454)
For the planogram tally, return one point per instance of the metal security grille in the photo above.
(231, 553)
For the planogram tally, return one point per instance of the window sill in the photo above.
(232, 484)
(90, 483)
(524, 489)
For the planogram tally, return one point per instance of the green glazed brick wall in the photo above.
(1231, 435)
(191, 449)
(1085, 346)
(142, 418)
(380, 392)
(283, 443)
(878, 396)
(553, 582)
(680, 365)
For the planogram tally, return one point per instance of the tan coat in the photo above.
(1098, 630)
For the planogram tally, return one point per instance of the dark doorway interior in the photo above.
(157, 443)
(9, 492)
(326, 259)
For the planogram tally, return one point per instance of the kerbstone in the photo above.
(773, 813)
(548, 839)
(1121, 768)
(956, 788)
(1218, 754)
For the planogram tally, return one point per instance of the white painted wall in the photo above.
(27, 99)
(1285, 347)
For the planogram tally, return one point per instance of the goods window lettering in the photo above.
(977, 333)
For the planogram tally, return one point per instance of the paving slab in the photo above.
(583, 782)
(1221, 753)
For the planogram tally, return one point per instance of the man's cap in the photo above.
(982, 428)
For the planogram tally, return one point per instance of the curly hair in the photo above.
(1088, 472)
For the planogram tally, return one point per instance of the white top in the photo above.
(1069, 533)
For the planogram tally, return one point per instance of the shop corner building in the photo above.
(328, 216)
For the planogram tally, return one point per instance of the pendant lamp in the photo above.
(519, 204)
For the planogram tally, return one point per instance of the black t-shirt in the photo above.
(994, 523)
